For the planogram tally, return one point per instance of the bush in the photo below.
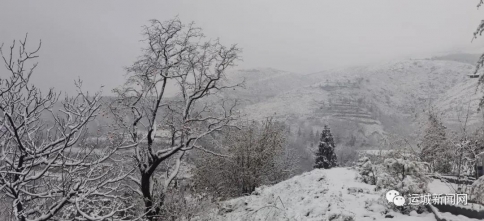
(183, 204)
(366, 170)
(255, 156)
(477, 191)
(405, 176)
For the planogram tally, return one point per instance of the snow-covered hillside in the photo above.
(320, 194)
(363, 102)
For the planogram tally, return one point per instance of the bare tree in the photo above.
(480, 61)
(255, 155)
(45, 173)
(435, 146)
(175, 59)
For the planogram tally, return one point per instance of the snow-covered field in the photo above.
(332, 194)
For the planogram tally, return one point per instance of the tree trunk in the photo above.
(20, 209)
(459, 188)
(151, 210)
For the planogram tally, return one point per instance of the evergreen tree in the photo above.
(326, 157)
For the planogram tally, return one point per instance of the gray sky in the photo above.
(96, 39)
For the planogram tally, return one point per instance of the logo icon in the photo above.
(394, 197)
(399, 201)
(391, 194)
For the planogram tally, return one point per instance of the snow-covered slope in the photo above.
(459, 101)
(316, 195)
(365, 103)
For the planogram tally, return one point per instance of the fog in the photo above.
(96, 39)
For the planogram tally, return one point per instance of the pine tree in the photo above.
(326, 157)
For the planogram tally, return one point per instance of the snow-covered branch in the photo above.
(48, 167)
(175, 55)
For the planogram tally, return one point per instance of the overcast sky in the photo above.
(96, 39)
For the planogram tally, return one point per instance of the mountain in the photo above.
(364, 104)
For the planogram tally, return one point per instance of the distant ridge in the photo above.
(459, 57)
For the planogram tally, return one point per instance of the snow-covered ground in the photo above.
(439, 187)
(332, 194)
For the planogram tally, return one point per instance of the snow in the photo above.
(321, 194)
(439, 187)
(375, 152)
(399, 90)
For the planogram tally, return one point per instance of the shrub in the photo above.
(183, 204)
(405, 176)
(366, 170)
(477, 191)
(255, 155)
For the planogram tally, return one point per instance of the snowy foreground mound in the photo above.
(332, 194)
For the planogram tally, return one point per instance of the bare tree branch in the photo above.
(47, 169)
(175, 56)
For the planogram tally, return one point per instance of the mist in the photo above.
(96, 40)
